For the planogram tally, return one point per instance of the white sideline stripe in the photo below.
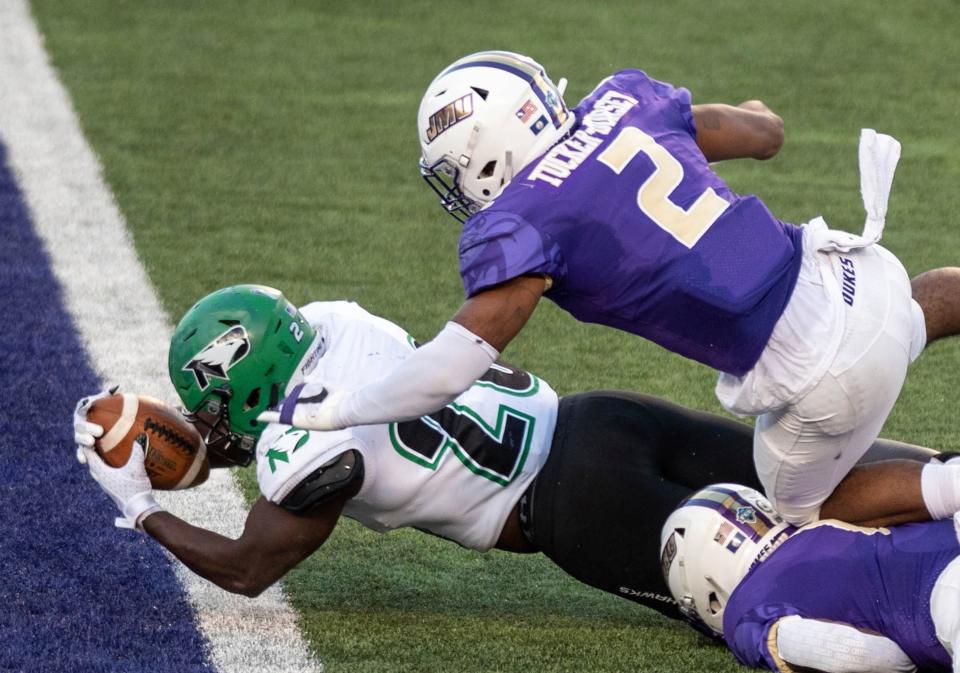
(128, 413)
(122, 324)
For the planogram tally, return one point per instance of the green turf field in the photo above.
(275, 143)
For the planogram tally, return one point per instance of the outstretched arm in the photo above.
(498, 314)
(749, 130)
(443, 369)
(273, 541)
(435, 374)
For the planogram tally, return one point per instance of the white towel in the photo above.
(879, 155)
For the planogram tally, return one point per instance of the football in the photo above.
(176, 456)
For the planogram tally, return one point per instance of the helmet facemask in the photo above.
(212, 420)
(443, 176)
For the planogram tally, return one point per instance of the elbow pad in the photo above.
(811, 644)
(324, 483)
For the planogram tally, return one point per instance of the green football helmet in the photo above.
(231, 358)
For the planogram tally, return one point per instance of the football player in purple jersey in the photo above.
(827, 597)
(612, 211)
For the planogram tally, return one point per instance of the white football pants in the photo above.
(805, 448)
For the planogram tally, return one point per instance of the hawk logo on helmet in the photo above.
(219, 356)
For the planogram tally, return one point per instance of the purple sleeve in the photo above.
(749, 638)
(639, 85)
(497, 246)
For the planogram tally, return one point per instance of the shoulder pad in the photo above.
(325, 482)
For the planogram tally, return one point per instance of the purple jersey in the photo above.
(879, 581)
(638, 233)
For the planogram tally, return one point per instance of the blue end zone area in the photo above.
(76, 594)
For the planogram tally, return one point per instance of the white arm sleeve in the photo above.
(836, 648)
(435, 375)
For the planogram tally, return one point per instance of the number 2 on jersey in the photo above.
(685, 225)
(494, 448)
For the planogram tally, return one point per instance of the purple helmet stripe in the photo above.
(729, 515)
(761, 515)
(756, 527)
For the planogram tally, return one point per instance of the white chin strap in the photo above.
(508, 167)
(471, 146)
(562, 85)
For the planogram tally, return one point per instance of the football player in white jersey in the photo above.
(587, 480)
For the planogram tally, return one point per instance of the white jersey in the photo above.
(456, 473)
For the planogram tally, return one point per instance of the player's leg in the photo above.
(598, 504)
(881, 494)
(804, 451)
(695, 448)
(805, 456)
(619, 464)
(706, 449)
(891, 449)
(938, 293)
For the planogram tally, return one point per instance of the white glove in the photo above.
(86, 433)
(310, 406)
(128, 486)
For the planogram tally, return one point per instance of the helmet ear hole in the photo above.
(274, 395)
(714, 603)
(488, 169)
(253, 399)
(483, 93)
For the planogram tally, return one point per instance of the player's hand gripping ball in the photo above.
(176, 456)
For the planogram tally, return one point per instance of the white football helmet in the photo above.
(483, 119)
(710, 542)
